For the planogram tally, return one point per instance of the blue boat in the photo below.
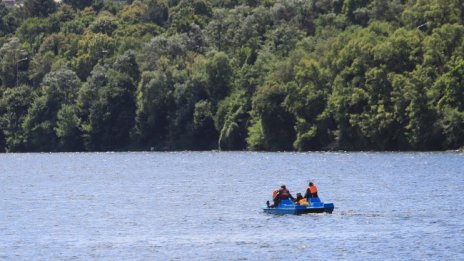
(287, 206)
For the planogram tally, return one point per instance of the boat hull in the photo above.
(288, 207)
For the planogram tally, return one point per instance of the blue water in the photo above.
(197, 206)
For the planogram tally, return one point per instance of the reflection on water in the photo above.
(193, 205)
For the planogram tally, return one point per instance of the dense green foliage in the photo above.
(232, 75)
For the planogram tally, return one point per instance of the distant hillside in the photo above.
(98, 75)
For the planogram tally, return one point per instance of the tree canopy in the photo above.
(274, 75)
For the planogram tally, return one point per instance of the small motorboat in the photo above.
(287, 206)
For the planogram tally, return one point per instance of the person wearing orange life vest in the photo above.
(275, 193)
(275, 198)
(300, 200)
(284, 193)
(311, 191)
(279, 195)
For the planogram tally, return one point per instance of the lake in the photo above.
(207, 205)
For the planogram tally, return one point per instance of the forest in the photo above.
(264, 75)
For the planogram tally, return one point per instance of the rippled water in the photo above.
(164, 206)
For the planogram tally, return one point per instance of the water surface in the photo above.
(193, 205)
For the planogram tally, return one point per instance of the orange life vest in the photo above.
(274, 193)
(303, 202)
(312, 189)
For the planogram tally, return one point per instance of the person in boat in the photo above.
(300, 200)
(311, 191)
(275, 198)
(284, 193)
(281, 194)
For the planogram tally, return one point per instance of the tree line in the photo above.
(101, 75)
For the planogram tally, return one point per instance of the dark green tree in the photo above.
(154, 101)
(13, 108)
(111, 114)
(274, 121)
(58, 88)
(127, 63)
(219, 73)
(39, 8)
(12, 58)
(447, 97)
(3, 26)
(157, 11)
(79, 4)
(68, 129)
(231, 120)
